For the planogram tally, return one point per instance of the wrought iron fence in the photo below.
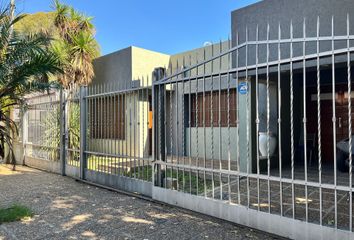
(266, 143)
(119, 129)
(274, 136)
(42, 119)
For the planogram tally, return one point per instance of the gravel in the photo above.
(66, 209)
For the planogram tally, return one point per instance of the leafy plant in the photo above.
(26, 64)
(14, 213)
(76, 46)
(51, 124)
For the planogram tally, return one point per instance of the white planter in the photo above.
(262, 144)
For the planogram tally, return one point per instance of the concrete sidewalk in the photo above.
(66, 209)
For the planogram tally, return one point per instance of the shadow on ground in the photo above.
(66, 209)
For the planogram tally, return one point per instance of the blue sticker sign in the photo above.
(243, 88)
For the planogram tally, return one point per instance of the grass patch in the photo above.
(14, 213)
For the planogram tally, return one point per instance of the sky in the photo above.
(167, 26)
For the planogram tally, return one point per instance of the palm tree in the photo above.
(26, 64)
(76, 46)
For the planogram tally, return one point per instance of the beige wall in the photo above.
(145, 61)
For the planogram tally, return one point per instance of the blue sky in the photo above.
(167, 26)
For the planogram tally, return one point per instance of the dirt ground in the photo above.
(66, 209)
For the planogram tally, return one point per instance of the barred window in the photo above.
(203, 105)
(108, 117)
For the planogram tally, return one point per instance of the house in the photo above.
(255, 130)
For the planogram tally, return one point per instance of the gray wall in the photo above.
(282, 12)
(195, 56)
(115, 67)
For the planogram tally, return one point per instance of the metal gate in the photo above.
(256, 143)
(259, 133)
(51, 132)
(118, 135)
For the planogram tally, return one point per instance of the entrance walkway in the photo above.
(66, 209)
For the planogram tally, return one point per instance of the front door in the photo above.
(326, 118)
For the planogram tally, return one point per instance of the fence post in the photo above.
(83, 129)
(62, 131)
(158, 92)
(24, 133)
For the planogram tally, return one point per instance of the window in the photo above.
(108, 117)
(203, 105)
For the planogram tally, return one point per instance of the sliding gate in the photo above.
(261, 134)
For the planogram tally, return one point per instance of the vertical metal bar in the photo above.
(177, 126)
(197, 124)
(120, 116)
(134, 145)
(257, 117)
(144, 143)
(334, 127)
(131, 122)
(114, 129)
(219, 124)
(83, 112)
(106, 122)
(139, 128)
(319, 117)
(146, 126)
(110, 128)
(247, 124)
(165, 125)
(89, 122)
(305, 120)
(229, 57)
(62, 131)
(171, 128)
(212, 124)
(190, 123)
(279, 122)
(97, 137)
(183, 126)
(101, 129)
(268, 121)
(350, 128)
(126, 158)
(204, 127)
(237, 121)
(292, 120)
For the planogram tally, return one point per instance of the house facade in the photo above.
(256, 130)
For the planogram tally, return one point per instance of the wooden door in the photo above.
(326, 118)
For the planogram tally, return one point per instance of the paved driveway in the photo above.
(66, 209)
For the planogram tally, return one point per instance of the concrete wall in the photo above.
(114, 68)
(192, 57)
(135, 142)
(282, 12)
(127, 69)
(144, 62)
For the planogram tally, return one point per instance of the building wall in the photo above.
(198, 55)
(126, 69)
(144, 62)
(282, 12)
(114, 68)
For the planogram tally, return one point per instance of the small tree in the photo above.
(76, 46)
(26, 63)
